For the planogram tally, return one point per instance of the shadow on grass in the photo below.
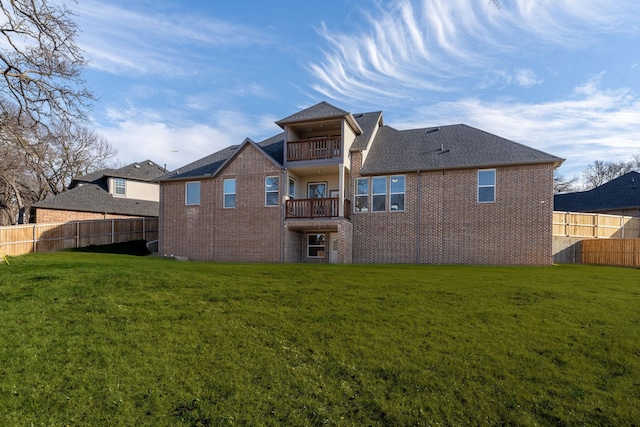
(135, 247)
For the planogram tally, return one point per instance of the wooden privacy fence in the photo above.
(618, 252)
(573, 224)
(23, 239)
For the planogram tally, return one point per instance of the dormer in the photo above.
(321, 134)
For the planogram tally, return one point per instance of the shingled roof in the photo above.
(446, 147)
(392, 150)
(146, 171)
(618, 194)
(211, 164)
(93, 198)
(89, 193)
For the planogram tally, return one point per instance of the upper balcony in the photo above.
(314, 149)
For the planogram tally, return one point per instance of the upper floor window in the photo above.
(362, 194)
(229, 193)
(487, 186)
(292, 188)
(317, 190)
(271, 188)
(379, 193)
(192, 193)
(397, 193)
(120, 186)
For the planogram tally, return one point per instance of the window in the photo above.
(379, 193)
(397, 193)
(292, 188)
(362, 194)
(316, 244)
(120, 186)
(271, 188)
(487, 186)
(317, 190)
(192, 196)
(229, 193)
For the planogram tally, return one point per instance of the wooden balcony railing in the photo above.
(313, 149)
(317, 208)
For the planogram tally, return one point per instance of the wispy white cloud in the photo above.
(590, 122)
(139, 134)
(426, 44)
(527, 78)
(122, 40)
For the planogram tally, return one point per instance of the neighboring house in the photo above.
(620, 196)
(344, 188)
(131, 191)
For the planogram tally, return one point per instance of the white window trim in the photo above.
(272, 191)
(291, 196)
(186, 193)
(225, 194)
(316, 246)
(495, 181)
(385, 194)
(116, 187)
(356, 194)
(404, 193)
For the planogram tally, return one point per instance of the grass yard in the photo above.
(112, 339)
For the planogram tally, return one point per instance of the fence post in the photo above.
(77, 234)
(113, 231)
(35, 246)
(144, 235)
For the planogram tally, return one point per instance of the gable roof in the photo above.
(619, 193)
(212, 164)
(321, 111)
(146, 171)
(446, 147)
(368, 123)
(93, 198)
(391, 150)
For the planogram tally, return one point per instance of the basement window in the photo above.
(316, 245)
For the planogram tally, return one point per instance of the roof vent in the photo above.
(432, 130)
(136, 166)
(357, 116)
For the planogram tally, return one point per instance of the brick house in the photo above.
(620, 196)
(336, 187)
(128, 192)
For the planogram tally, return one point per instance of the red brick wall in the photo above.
(54, 216)
(450, 227)
(250, 232)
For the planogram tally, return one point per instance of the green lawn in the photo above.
(112, 339)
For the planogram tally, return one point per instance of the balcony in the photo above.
(314, 149)
(317, 208)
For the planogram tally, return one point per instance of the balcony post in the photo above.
(341, 190)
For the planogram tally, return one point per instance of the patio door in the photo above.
(333, 248)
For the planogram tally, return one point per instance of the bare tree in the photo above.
(564, 185)
(36, 161)
(601, 172)
(41, 63)
(43, 105)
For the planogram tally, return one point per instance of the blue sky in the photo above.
(177, 81)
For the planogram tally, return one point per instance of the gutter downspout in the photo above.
(283, 198)
(418, 218)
